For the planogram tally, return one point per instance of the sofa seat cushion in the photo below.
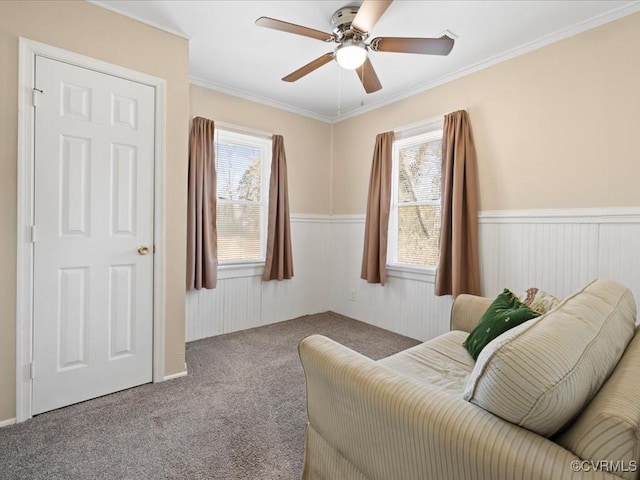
(541, 374)
(441, 361)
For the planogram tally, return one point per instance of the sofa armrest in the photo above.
(467, 310)
(389, 426)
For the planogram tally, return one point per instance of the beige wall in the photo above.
(95, 32)
(554, 128)
(307, 143)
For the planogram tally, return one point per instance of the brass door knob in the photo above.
(143, 250)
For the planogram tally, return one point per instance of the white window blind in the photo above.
(243, 163)
(414, 227)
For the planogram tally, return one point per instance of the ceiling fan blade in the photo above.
(425, 46)
(293, 28)
(368, 77)
(369, 13)
(309, 67)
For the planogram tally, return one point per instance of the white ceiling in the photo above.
(229, 53)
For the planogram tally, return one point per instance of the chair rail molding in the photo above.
(574, 215)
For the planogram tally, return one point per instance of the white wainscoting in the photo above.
(246, 301)
(403, 305)
(556, 250)
(559, 250)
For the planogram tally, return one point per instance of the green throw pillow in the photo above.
(506, 312)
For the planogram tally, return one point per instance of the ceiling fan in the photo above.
(350, 30)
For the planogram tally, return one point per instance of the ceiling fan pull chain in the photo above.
(339, 91)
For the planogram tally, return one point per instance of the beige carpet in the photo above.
(239, 414)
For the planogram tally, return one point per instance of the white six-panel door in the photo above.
(93, 278)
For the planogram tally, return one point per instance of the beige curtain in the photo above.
(459, 266)
(374, 257)
(279, 261)
(202, 239)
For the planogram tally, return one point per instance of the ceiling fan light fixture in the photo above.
(351, 54)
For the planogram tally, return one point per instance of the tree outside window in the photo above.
(242, 166)
(415, 214)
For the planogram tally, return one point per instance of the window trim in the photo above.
(248, 266)
(239, 270)
(427, 131)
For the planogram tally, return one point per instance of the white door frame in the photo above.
(28, 49)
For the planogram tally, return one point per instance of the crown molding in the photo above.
(101, 4)
(236, 92)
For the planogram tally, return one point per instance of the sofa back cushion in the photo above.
(609, 428)
(541, 374)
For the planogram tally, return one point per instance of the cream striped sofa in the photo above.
(405, 417)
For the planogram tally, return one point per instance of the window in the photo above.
(414, 226)
(243, 164)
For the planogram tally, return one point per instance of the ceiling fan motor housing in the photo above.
(341, 23)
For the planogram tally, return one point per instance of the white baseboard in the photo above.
(175, 375)
(7, 422)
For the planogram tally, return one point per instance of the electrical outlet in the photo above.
(353, 296)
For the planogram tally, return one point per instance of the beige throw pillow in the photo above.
(539, 301)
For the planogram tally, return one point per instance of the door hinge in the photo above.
(35, 96)
(32, 370)
(33, 234)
